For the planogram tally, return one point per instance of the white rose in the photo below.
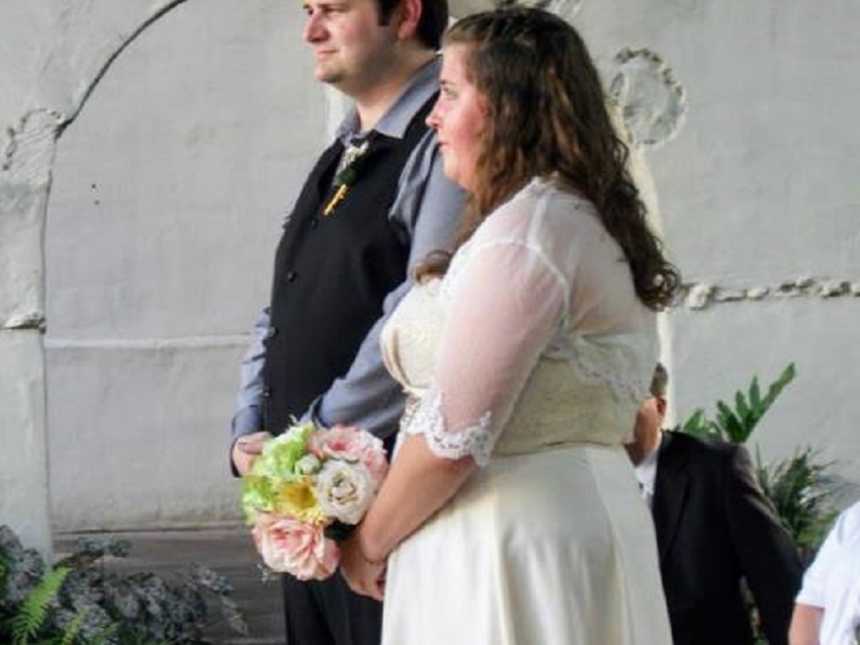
(308, 465)
(344, 490)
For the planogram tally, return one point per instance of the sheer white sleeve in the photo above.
(506, 301)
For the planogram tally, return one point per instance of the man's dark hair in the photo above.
(660, 381)
(431, 25)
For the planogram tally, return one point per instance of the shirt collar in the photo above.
(646, 470)
(423, 84)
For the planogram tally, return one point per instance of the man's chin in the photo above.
(328, 76)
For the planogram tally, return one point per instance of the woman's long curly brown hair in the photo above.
(547, 115)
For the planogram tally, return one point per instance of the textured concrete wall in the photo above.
(176, 132)
(168, 195)
(180, 132)
(23, 458)
(51, 58)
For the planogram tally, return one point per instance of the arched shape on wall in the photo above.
(165, 207)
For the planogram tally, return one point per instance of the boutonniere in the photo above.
(346, 178)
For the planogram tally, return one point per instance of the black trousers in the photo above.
(329, 613)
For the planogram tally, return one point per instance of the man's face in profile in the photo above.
(350, 47)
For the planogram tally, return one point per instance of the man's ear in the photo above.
(661, 405)
(409, 14)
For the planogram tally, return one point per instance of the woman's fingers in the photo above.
(367, 582)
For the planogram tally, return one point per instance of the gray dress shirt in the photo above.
(426, 209)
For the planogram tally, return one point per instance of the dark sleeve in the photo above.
(767, 554)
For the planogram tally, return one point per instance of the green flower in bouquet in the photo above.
(279, 479)
(281, 454)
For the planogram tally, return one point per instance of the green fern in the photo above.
(700, 426)
(31, 615)
(800, 489)
(37, 619)
(737, 424)
(73, 629)
(103, 636)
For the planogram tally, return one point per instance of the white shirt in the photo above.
(832, 582)
(646, 473)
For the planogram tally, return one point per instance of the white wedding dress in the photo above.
(531, 355)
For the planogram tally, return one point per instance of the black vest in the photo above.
(332, 274)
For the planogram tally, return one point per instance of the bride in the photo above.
(511, 514)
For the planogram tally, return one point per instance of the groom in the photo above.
(375, 204)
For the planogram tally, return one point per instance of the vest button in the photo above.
(267, 392)
(271, 331)
(291, 276)
(315, 222)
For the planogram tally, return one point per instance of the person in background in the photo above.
(714, 527)
(828, 605)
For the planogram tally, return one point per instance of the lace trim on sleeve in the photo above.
(428, 419)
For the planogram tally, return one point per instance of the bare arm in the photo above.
(805, 625)
(400, 508)
(418, 484)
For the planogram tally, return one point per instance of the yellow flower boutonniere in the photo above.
(346, 178)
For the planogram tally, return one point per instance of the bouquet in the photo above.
(306, 483)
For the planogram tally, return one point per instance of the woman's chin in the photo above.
(453, 173)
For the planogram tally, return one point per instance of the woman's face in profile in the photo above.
(458, 117)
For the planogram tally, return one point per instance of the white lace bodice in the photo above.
(534, 338)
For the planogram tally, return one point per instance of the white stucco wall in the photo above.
(172, 171)
(51, 56)
(23, 458)
(759, 189)
(168, 195)
(167, 204)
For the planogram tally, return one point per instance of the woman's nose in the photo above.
(433, 119)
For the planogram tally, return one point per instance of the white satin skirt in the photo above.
(550, 548)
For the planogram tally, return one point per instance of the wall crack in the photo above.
(116, 53)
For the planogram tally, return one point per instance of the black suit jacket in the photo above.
(714, 526)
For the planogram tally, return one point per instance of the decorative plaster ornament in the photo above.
(833, 288)
(566, 9)
(729, 295)
(699, 296)
(757, 293)
(653, 103)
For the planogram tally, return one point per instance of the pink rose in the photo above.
(340, 442)
(290, 546)
(351, 444)
(376, 463)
